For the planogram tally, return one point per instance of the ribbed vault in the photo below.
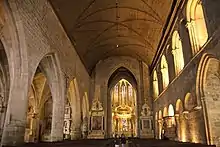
(103, 28)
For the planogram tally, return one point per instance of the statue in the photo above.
(146, 111)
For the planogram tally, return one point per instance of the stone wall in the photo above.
(31, 33)
(187, 81)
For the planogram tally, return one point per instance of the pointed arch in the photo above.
(160, 115)
(196, 24)
(171, 110)
(164, 71)
(155, 85)
(189, 102)
(179, 106)
(165, 112)
(177, 52)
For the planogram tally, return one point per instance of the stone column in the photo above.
(160, 125)
(57, 116)
(15, 121)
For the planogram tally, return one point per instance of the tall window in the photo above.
(164, 71)
(196, 24)
(177, 52)
(155, 84)
(130, 90)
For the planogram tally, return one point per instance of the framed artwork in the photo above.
(146, 124)
(97, 122)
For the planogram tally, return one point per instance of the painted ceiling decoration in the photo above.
(103, 28)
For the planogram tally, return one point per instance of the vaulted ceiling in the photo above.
(103, 28)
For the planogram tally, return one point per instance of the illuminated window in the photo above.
(155, 84)
(130, 91)
(196, 24)
(116, 88)
(177, 52)
(165, 72)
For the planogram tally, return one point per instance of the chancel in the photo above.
(91, 72)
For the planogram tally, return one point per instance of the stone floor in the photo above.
(109, 143)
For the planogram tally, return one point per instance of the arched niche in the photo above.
(122, 93)
(171, 111)
(189, 102)
(177, 51)
(155, 85)
(165, 72)
(179, 106)
(165, 112)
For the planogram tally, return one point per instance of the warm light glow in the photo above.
(165, 72)
(165, 112)
(170, 110)
(196, 24)
(123, 96)
(155, 85)
(177, 52)
(160, 115)
(201, 29)
(190, 102)
(179, 106)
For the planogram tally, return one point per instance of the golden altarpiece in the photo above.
(124, 118)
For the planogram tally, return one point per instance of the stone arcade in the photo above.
(91, 69)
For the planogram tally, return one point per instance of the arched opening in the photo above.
(190, 102)
(211, 102)
(155, 85)
(196, 24)
(179, 106)
(164, 71)
(177, 52)
(45, 109)
(123, 92)
(4, 86)
(72, 118)
(179, 117)
(165, 112)
(39, 111)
